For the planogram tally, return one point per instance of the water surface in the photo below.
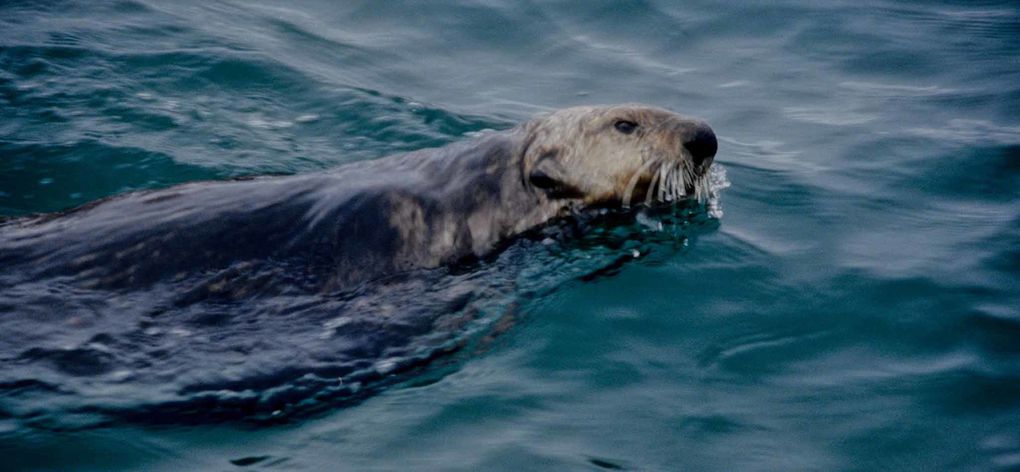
(854, 307)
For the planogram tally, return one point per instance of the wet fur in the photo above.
(335, 229)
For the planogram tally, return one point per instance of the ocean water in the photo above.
(852, 303)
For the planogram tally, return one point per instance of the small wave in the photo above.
(896, 90)
(972, 132)
(51, 176)
(828, 116)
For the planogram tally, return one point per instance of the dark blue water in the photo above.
(854, 307)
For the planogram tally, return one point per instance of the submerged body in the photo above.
(263, 298)
(333, 230)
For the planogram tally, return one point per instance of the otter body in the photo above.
(335, 229)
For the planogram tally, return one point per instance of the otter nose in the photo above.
(702, 144)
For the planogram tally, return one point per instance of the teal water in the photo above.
(854, 307)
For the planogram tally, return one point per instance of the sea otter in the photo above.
(335, 229)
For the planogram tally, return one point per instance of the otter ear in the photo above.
(550, 175)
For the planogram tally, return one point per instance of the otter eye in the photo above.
(625, 126)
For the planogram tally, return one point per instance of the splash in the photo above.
(717, 182)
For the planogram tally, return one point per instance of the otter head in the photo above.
(618, 155)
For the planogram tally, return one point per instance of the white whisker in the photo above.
(656, 177)
(676, 182)
(628, 193)
(669, 183)
(667, 173)
(681, 186)
(700, 187)
(695, 185)
(666, 183)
